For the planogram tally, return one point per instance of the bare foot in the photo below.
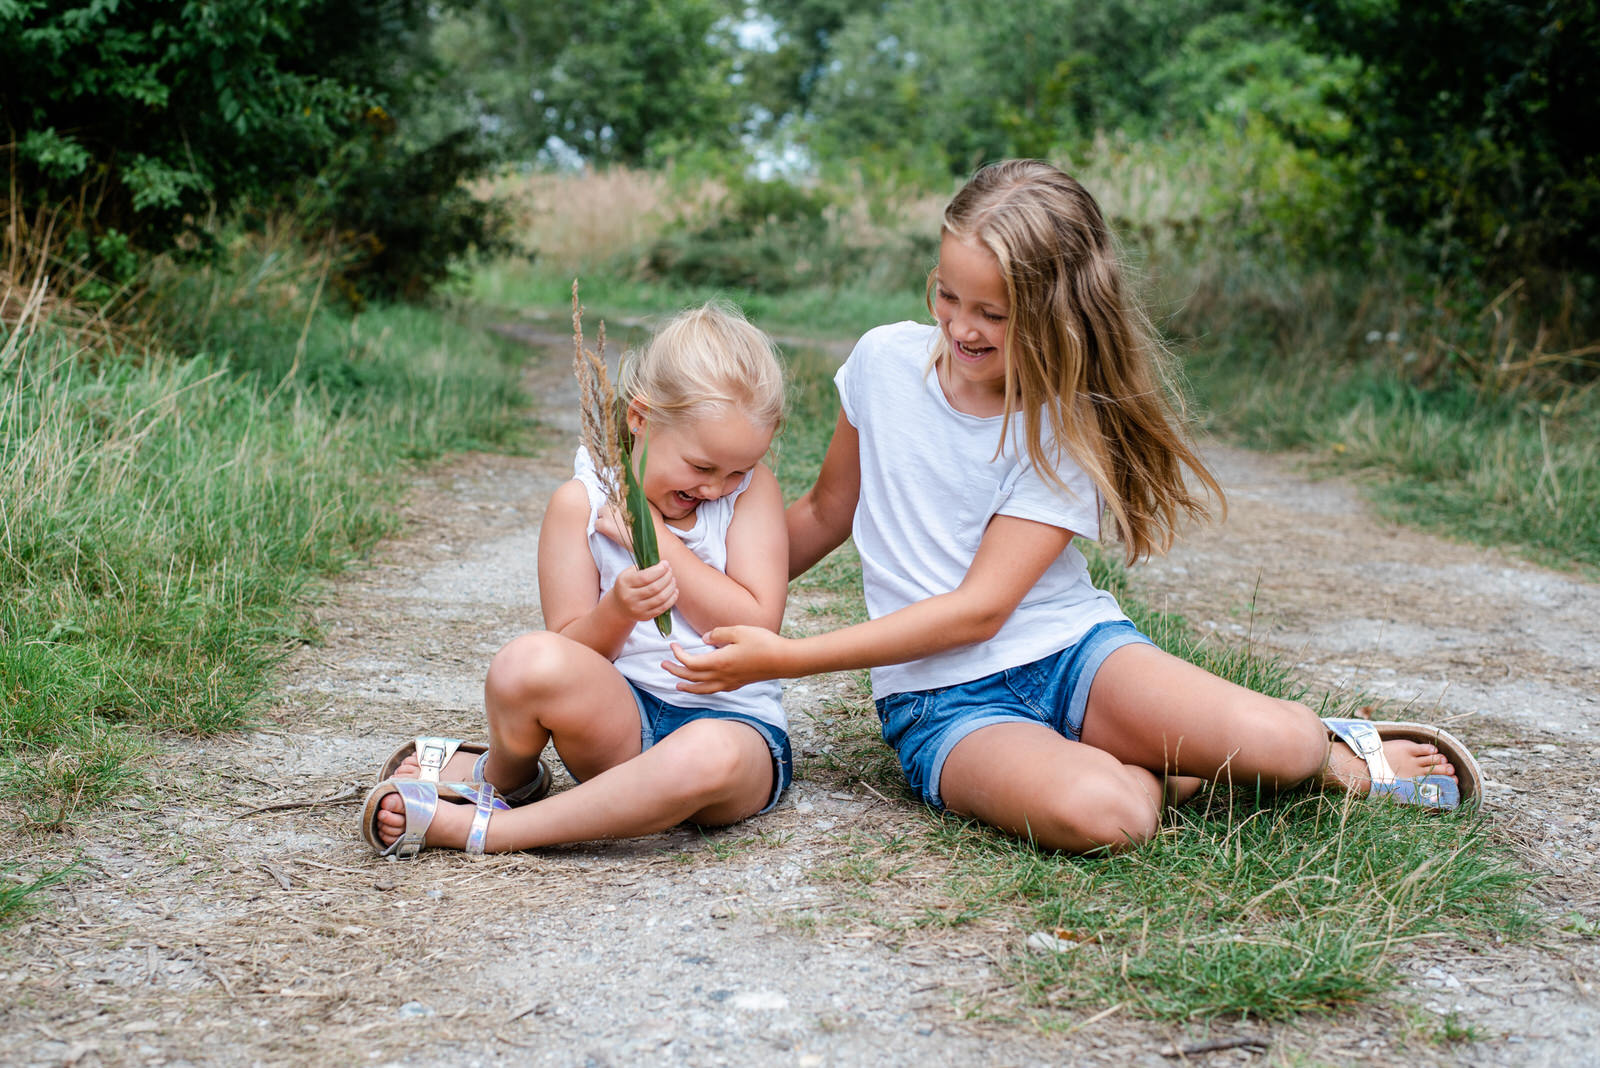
(1410, 760)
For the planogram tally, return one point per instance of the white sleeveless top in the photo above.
(645, 648)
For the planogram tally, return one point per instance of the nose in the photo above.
(714, 488)
(964, 325)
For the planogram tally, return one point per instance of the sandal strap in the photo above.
(1429, 791)
(421, 802)
(487, 803)
(433, 753)
(532, 790)
(1363, 738)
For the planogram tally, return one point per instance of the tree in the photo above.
(155, 115)
(1471, 124)
(941, 85)
(618, 81)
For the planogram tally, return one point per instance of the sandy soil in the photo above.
(239, 920)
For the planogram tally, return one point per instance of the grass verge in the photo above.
(1516, 470)
(170, 506)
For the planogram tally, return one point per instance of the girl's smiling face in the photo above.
(697, 459)
(972, 308)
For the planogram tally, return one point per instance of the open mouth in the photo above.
(967, 352)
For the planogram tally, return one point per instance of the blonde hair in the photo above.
(702, 358)
(1080, 355)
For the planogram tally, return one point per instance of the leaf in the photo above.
(646, 553)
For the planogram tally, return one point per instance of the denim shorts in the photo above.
(923, 726)
(657, 719)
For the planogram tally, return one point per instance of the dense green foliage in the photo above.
(625, 81)
(944, 87)
(145, 121)
(1471, 122)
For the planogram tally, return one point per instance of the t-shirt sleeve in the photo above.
(1075, 508)
(848, 381)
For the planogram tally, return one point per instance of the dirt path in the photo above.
(223, 926)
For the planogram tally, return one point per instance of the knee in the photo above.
(1112, 810)
(523, 667)
(709, 757)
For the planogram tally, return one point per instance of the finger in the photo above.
(694, 661)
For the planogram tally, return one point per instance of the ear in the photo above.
(636, 417)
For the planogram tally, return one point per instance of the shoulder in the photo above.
(889, 352)
(903, 337)
(763, 486)
(570, 502)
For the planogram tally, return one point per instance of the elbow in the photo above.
(983, 625)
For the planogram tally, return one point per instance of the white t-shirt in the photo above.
(930, 483)
(645, 648)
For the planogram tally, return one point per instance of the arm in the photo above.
(569, 582)
(753, 589)
(820, 520)
(1010, 558)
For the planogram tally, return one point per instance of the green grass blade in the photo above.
(646, 553)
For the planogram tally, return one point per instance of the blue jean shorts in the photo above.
(923, 726)
(657, 719)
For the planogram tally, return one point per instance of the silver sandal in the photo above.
(1366, 737)
(421, 799)
(433, 753)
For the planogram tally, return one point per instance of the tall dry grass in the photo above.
(573, 221)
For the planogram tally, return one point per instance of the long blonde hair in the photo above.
(1081, 358)
(704, 358)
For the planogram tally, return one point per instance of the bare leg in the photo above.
(1150, 708)
(539, 685)
(543, 687)
(709, 771)
(1026, 779)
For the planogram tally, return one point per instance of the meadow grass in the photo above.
(1517, 471)
(1243, 905)
(171, 503)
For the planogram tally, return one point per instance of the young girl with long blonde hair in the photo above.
(967, 458)
(705, 397)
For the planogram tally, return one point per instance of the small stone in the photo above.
(383, 884)
(1045, 942)
(414, 1009)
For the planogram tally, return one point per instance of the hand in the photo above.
(610, 523)
(646, 594)
(743, 654)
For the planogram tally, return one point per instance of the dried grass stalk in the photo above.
(609, 442)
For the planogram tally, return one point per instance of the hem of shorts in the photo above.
(774, 735)
(1078, 704)
(876, 696)
(954, 738)
(777, 740)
